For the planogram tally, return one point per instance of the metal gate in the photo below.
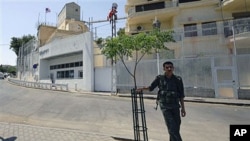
(225, 78)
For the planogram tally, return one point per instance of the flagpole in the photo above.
(38, 18)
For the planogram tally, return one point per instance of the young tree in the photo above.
(16, 43)
(138, 45)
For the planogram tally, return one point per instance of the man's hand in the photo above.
(183, 112)
(139, 90)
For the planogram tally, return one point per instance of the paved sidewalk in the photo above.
(21, 132)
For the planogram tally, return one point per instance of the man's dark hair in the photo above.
(168, 63)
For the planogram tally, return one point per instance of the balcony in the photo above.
(239, 26)
(161, 10)
(238, 31)
(235, 4)
(208, 36)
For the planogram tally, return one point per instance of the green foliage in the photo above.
(99, 41)
(145, 43)
(16, 42)
(135, 46)
(121, 32)
(8, 69)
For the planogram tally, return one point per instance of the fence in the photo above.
(49, 86)
(202, 76)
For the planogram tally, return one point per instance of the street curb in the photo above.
(198, 100)
(216, 102)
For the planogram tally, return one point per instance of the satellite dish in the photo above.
(139, 28)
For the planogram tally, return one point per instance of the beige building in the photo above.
(211, 43)
(68, 24)
(202, 27)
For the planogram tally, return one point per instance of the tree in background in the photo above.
(8, 69)
(136, 46)
(16, 42)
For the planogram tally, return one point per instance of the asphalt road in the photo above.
(112, 115)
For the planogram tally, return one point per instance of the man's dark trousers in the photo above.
(173, 121)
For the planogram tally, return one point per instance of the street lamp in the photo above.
(157, 26)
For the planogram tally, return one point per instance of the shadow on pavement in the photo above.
(8, 139)
(121, 139)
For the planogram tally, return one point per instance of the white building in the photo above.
(62, 54)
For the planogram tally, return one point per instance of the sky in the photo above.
(21, 17)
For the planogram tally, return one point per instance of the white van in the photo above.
(1, 75)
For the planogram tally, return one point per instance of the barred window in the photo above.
(67, 65)
(65, 74)
(190, 30)
(80, 74)
(227, 30)
(209, 28)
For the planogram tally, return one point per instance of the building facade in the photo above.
(61, 54)
(211, 43)
(202, 27)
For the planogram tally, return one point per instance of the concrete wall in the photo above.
(244, 94)
(103, 78)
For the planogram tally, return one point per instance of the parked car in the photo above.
(1, 75)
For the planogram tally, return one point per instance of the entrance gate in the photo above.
(225, 78)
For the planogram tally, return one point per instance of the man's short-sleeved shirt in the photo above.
(174, 83)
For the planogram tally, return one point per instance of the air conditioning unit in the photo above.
(139, 28)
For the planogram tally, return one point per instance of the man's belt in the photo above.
(170, 94)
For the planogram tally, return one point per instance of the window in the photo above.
(80, 74)
(190, 30)
(51, 67)
(67, 65)
(71, 74)
(72, 65)
(58, 75)
(62, 73)
(151, 6)
(65, 74)
(184, 1)
(77, 64)
(227, 30)
(62, 66)
(209, 28)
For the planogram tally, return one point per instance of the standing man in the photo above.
(171, 99)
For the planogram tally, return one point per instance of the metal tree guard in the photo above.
(139, 118)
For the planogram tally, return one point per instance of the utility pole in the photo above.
(112, 17)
